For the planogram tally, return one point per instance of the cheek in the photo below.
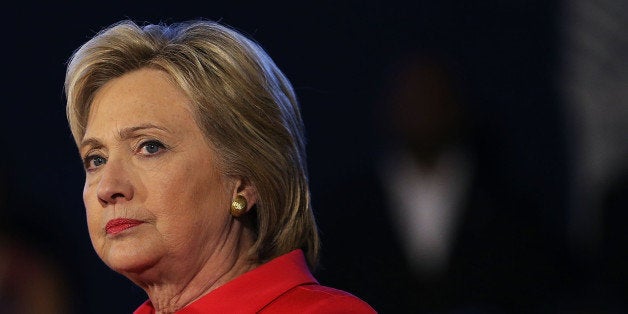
(167, 200)
(86, 192)
(190, 196)
(89, 196)
(90, 201)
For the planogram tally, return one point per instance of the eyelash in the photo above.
(90, 158)
(87, 162)
(159, 145)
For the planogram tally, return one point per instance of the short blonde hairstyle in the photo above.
(244, 104)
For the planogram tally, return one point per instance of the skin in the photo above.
(146, 159)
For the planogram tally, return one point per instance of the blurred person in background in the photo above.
(593, 84)
(440, 226)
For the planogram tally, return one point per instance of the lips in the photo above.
(115, 226)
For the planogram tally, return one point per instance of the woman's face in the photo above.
(155, 198)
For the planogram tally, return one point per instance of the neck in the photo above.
(171, 291)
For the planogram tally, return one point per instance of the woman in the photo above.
(196, 184)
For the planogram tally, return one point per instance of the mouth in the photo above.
(115, 226)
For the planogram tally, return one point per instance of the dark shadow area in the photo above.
(440, 151)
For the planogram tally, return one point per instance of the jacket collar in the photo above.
(253, 290)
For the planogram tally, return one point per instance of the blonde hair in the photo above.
(242, 101)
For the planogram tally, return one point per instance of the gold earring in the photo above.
(238, 206)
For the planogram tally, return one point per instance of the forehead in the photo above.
(141, 96)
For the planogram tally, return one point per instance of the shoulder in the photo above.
(314, 298)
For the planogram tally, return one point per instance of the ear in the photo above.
(245, 188)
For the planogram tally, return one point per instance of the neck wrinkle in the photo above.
(227, 262)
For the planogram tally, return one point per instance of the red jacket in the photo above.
(283, 285)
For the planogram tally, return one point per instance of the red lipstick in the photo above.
(115, 226)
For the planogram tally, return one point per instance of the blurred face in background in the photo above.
(423, 107)
(157, 203)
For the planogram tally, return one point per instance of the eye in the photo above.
(151, 147)
(93, 161)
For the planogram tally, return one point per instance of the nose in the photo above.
(115, 184)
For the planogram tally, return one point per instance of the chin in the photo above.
(128, 257)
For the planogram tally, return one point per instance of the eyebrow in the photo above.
(123, 134)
